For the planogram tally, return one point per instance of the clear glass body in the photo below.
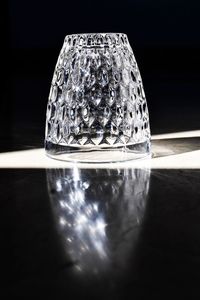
(97, 110)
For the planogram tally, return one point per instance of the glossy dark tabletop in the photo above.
(103, 233)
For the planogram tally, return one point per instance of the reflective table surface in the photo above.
(104, 231)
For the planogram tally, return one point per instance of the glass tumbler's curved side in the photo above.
(97, 109)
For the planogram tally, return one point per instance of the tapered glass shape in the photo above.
(97, 110)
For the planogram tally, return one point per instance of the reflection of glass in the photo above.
(97, 109)
(98, 213)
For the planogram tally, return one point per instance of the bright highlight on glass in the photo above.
(97, 110)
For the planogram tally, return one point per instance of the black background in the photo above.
(164, 36)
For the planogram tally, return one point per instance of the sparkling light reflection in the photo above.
(98, 214)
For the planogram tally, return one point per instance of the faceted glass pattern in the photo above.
(97, 103)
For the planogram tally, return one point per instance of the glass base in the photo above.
(97, 154)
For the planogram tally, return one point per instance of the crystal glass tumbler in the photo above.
(97, 110)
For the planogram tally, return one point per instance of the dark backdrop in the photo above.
(164, 35)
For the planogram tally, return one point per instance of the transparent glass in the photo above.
(97, 110)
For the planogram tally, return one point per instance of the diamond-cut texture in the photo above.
(97, 96)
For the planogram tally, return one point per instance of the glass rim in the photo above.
(98, 39)
(95, 33)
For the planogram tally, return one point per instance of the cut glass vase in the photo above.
(97, 110)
